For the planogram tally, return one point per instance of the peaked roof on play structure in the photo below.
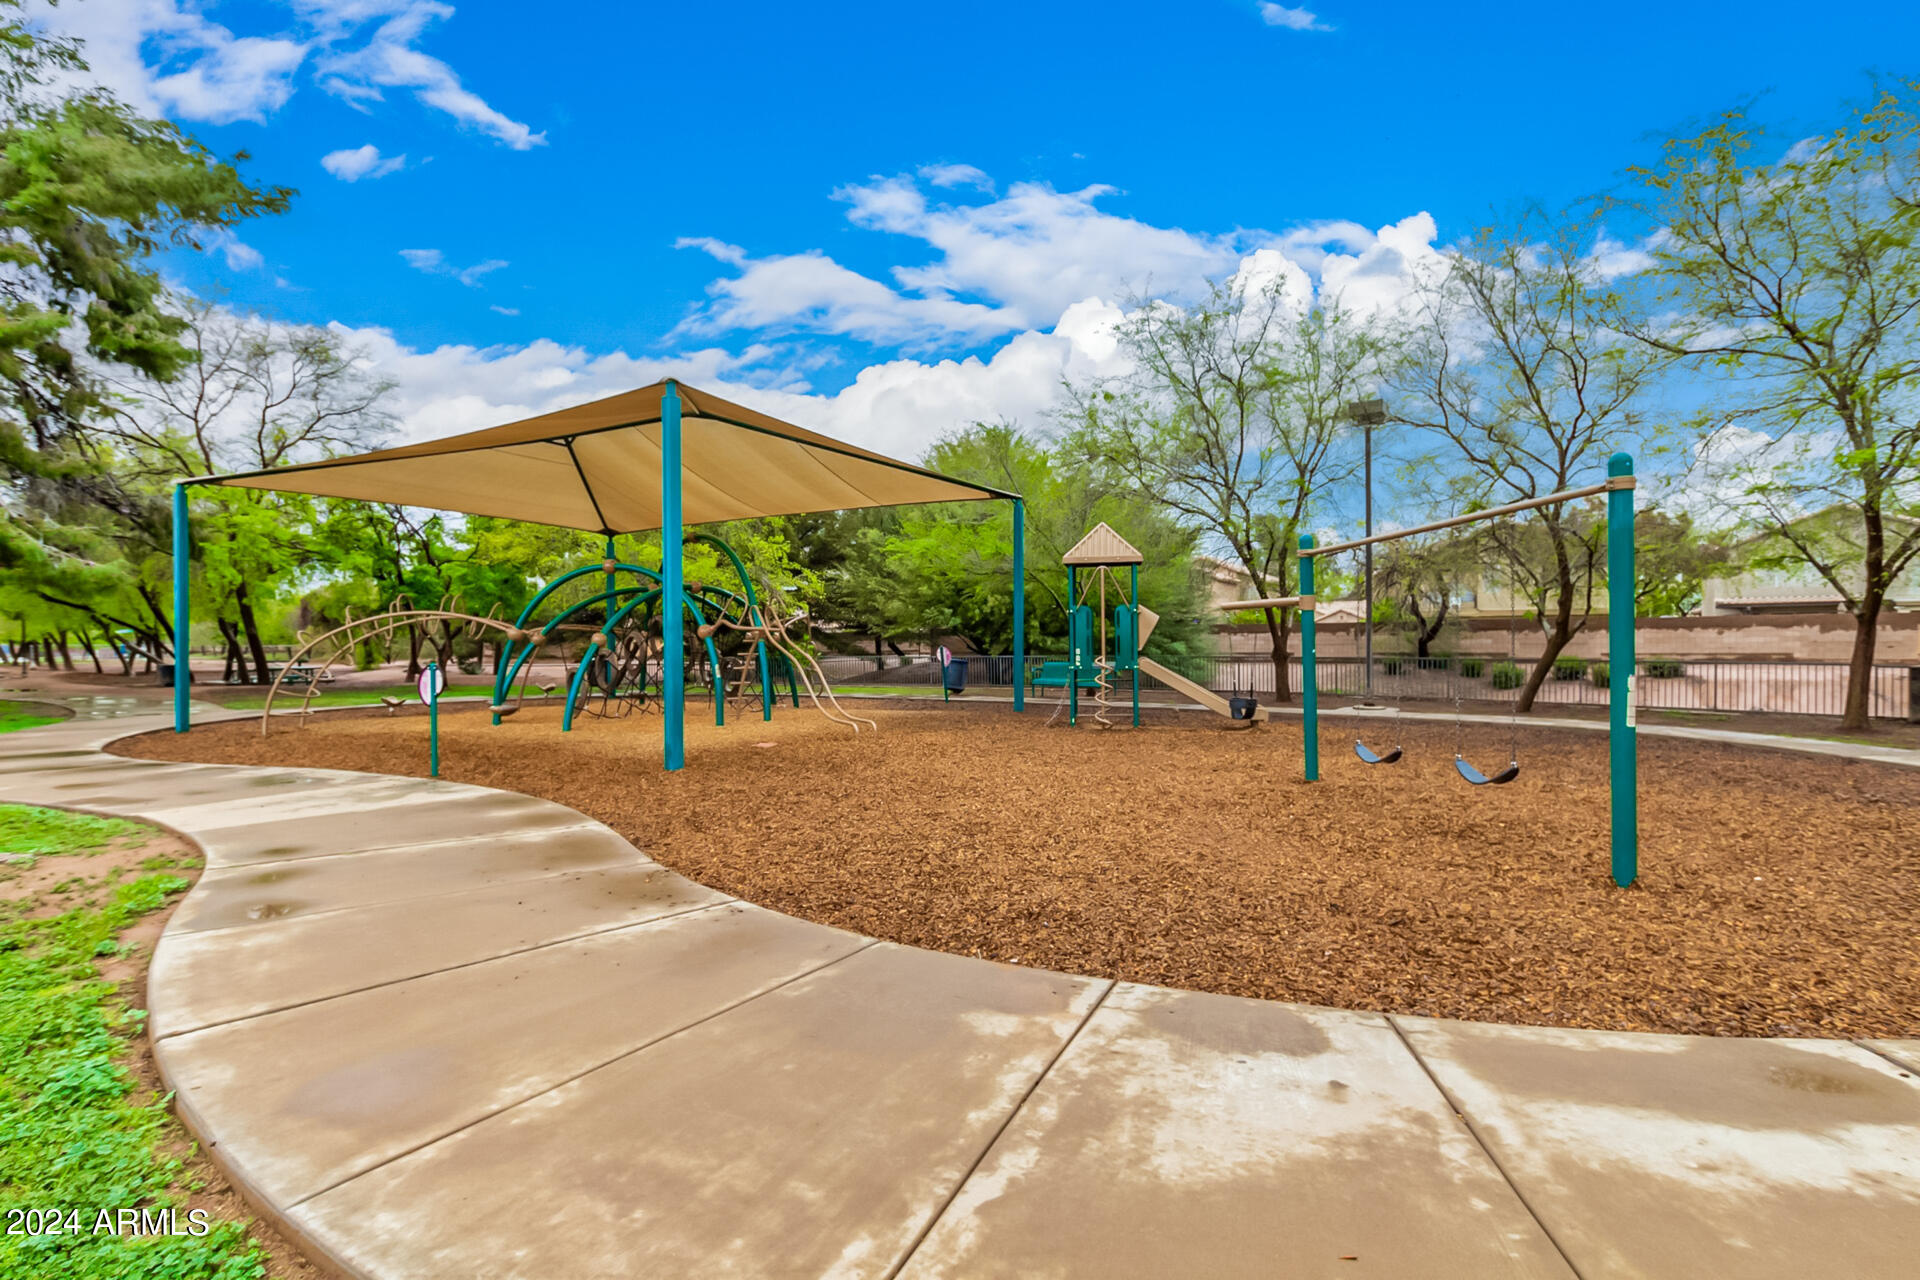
(1102, 546)
(596, 467)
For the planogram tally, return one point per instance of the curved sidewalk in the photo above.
(441, 1030)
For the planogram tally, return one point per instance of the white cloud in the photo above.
(355, 163)
(1035, 250)
(434, 263)
(165, 57)
(1279, 15)
(957, 175)
(898, 406)
(810, 291)
(240, 256)
(505, 311)
(389, 60)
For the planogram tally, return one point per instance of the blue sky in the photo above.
(837, 205)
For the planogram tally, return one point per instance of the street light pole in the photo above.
(1369, 414)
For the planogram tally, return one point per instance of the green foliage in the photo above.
(1566, 668)
(1472, 668)
(26, 829)
(23, 715)
(1507, 675)
(1663, 669)
(72, 1135)
(1601, 674)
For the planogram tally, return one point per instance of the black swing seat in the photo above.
(1366, 753)
(1480, 779)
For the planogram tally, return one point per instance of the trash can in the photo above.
(166, 675)
(956, 675)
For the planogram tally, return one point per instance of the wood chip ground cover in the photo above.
(1779, 894)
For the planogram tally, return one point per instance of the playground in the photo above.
(1774, 898)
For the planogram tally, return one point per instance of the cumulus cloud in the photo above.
(957, 175)
(898, 406)
(1279, 15)
(810, 291)
(165, 57)
(434, 263)
(356, 163)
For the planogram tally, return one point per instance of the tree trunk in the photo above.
(66, 650)
(1558, 634)
(1866, 637)
(235, 670)
(251, 629)
(413, 653)
(86, 642)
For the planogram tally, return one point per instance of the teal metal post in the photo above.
(1073, 653)
(606, 562)
(1623, 718)
(433, 719)
(1019, 605)
(1133, 580)
(1309, 679)
(673, 679)
(182, 619)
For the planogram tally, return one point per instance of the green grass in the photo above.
(22, 715)
(73, 1139)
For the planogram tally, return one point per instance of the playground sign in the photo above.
(432, 681)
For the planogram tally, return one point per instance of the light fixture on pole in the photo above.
(1368, 414)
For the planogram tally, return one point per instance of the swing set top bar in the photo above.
(1487, 513)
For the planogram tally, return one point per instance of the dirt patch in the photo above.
(1777, 892)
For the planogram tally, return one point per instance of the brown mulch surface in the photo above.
(1779, 893)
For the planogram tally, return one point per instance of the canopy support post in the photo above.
(1019, 605)
(673, 676)
(1073, 651)
(1309, 680)
(1621, 590)
(182, 617)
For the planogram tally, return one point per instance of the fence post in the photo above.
(1913, 694)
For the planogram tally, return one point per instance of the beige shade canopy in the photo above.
(596, 467)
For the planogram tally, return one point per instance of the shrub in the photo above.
(1600, 674)
(1569, 668)
(1665, 670)
(1472, 668)
(1392, 666)
(1507, 676)
(1439, 662)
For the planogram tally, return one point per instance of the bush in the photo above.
(1508, 676)
(1665, 670)
(1392, 666)
(1472, 668)
(1600, 674)
(1569, 668)
(1436, 663)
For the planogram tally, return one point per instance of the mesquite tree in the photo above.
(1234, 417)
(1797, 282)
(1520, 372)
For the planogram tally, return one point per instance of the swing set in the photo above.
(1622, 720)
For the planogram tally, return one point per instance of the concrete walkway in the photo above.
(440, 1030)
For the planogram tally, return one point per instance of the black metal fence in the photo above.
(1792, 688)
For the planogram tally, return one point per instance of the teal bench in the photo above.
(1055, 675)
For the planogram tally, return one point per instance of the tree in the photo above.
(1521, 373)
(254, 395)
(1418, 578)
(948, 569)
(1673, 560)
(1799, 280)
(1232, 418)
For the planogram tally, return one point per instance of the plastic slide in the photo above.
(1198, 692)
